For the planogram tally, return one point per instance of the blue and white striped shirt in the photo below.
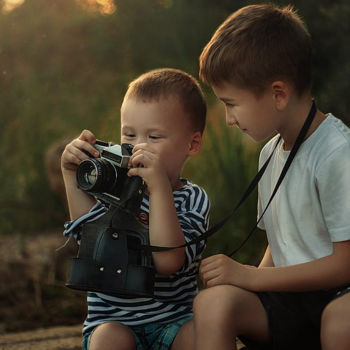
(173, 294)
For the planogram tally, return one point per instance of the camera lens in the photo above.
(91, 177)
(96, 175)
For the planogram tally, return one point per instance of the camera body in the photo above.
(106, 177)
(110, 258)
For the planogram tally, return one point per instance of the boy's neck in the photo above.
(296, 114)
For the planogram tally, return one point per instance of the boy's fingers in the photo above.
(84, 146)
(210, 279)
(209, 270)
(139, 146)
(78, 153)
(209, 274)
(87, 135)
(142, 152)
(70, 160)
(211, 259)
(213, 282)
(73, 160)
(144, 148)
(140, 159)
(135, 172)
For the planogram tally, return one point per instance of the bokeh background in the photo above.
(64, 67)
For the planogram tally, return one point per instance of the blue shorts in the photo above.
(158, 336)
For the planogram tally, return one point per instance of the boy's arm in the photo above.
(165, 228)
(79, 202)
(267, 260)
(328, 272)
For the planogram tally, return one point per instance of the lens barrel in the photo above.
(96, 175)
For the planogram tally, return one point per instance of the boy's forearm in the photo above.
(328, 272)
(165, 230)
(79, 202)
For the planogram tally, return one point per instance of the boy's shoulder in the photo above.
(189, 187)
(191, 197)
(331, 138)
(335, 128)
(332, 135)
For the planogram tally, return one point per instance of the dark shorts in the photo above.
(294, 319)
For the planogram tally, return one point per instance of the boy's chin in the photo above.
(260, 138)
(256, 138)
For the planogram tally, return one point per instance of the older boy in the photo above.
(259, 64)
(163, 116)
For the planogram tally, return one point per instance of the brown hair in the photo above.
(169, 82)
(256, 45)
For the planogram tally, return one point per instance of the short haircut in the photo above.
(169, 82)
(256, 45)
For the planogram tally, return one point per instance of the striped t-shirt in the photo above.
(173, 295)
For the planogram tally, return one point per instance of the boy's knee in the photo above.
(112, 335)
(210, 296)
(335, 326)
(215, 302)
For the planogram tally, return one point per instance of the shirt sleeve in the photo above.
(193, 216)
(73, 228)
(334, 192)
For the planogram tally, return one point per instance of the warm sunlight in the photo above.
(9, 5)
(106, 7)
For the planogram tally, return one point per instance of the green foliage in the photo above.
(63, 69)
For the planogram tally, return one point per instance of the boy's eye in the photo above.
(154, 137)
(229, 105)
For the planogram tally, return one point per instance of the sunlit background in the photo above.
(65, 66)
(9, 5)
(106, 7)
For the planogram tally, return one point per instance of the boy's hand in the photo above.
(148, 165)
(221, 269)
(76, 151)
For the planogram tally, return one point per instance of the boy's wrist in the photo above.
(254, 278)
(160, 185)
(69, 177)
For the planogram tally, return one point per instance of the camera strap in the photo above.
(299, 140)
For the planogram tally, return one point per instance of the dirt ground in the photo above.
(32, 290)
(55, 338)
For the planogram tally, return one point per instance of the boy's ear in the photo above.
(195, 144)
(281, 94)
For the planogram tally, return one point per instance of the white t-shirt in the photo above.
(312, 206)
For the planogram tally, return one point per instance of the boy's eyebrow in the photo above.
(226, 99)
(150, 129)
(125, 127)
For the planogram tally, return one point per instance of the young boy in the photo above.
(163, 117)
(259, 65)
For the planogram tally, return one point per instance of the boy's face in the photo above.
(257, 117)
(165, 128)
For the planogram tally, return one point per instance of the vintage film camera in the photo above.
(109, 258)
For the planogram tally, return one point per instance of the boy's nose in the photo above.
(230, 120)
(140, 139)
